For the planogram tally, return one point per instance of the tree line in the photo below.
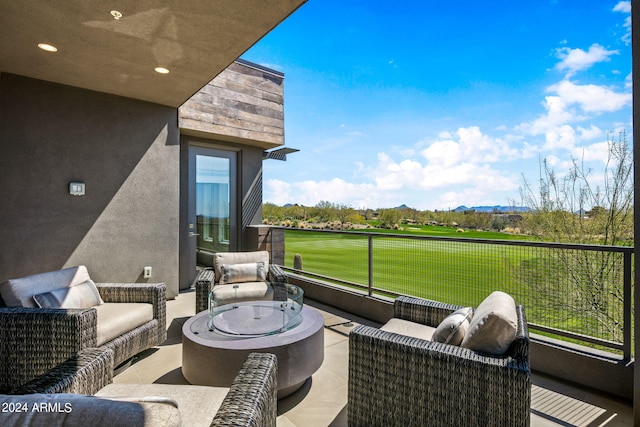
(328, 212)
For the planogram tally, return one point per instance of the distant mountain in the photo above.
(502, 209)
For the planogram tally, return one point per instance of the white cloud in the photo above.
(390, 175)
(592, 133)
(309, 193)
(574, 60)
(552, 160)
(448, 163)
(591, 98)
(278, 192)
(597, 152)
(625, 7)
(461, 166)
(560, 137)
(571, 103)
(471, 146)
(444, 153)
(557, 113)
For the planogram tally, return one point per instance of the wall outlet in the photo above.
(147, 272)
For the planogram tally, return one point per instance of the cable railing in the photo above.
(580, 293)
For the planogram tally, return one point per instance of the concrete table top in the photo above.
(210, 358)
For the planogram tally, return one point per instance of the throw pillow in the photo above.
(239, 273)
(82, 295)
(494, 325)
(454, 327)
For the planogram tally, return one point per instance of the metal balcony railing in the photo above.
(580, 293)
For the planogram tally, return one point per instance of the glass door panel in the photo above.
(212, 203)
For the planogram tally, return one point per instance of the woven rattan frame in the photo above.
(34, 341)
(84, 373)
(396, 380)
(252, 399)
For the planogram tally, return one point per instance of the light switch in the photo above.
(76, 188)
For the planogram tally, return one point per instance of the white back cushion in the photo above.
(84, 295)
(20, 292)
(454, 327)
(221, 258)
(494, 325)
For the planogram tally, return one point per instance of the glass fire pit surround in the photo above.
(279, 312)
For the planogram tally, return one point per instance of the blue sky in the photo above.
(438, 104)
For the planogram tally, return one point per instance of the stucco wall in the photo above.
(127, 154)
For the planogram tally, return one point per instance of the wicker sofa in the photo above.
(129, 319)
(400, 380)
(250, 401)
(252, 289)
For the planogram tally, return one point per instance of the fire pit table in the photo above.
(216, 342)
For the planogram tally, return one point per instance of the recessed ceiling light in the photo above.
(162, 70)
(47, 47)
(116, 14)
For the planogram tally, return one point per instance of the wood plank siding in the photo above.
(244, 103)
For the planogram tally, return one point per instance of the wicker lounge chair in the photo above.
(34, 340)
(397, 380)
(250, 401)
(210, 277)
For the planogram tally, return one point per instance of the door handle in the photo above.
(192, 234)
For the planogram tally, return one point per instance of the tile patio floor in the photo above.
(322, 399)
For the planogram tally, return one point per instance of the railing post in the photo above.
(277, 246)
(370, 262)
(271, 239)
(627, 326)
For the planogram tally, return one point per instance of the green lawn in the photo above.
(446, 270)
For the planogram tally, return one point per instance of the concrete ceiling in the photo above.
(194, 39)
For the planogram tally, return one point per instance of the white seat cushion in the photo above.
(115, 319)
(197, 404)
(408, 328)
